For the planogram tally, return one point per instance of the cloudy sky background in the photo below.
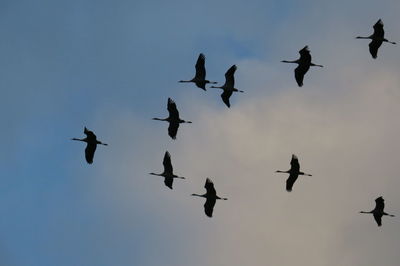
(111, 65)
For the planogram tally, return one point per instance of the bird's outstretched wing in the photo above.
(89, 133)
(380, 204)
(173, 111)
(200, 69)
(168, 181)
(378, 219)
(305, 51)
(89, 152)
(209, 186)
(230, 78)
(209, 206)
(378, 29)
(225, 97)
(167, 163)
(173, 129)
(294, 163)
(373, 48)
(290, 181)
(299, 73)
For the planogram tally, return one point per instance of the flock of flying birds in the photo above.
(304, 64)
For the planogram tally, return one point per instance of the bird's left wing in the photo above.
(200, 69)
(225, 97)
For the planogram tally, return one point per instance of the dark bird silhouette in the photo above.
(229, 86)
(173, 119)
(304, 63)
(378, 211)
(294, 173)
(378, 37)
(200, 77)
(91, 146)
(211, 196)
(168, 173)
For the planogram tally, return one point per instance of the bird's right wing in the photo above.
(200, 69)
(290, 182)
(89, 152)
(294, 163)
(171, 106)
(379, 204)
(229, 77)
(373, 48)
(299, 73)
(225, 97)
(168, 181)
(378, 219)
(209, 186)
(89, 133)
(209, 206)
(167, 163)
(378, 29)
(173, 130)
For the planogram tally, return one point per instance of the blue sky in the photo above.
(111, 65)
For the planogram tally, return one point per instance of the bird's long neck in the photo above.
(360, 37)
(222, 87)
(160, 119)
(294, 62)
(156, 174)
(185, 81)
(279, 171)
(202, 196)
(184, 121)
(84, 140)
(366, 212)
(211, 82)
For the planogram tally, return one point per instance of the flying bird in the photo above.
(91, 146)
(200, 77)
(211, 197)
(229, 86)
(294, 172)
(168, 173)
(173, 119)
(378, 211)
(378, 37)
(304, 63)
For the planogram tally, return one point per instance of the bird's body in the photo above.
(304, 64)
(229, 86)
(91, 146)
(200, 77)
(378, 212)
(377, 38)
(293, 172)
(173, 119)
(168, 173)
(211, 197)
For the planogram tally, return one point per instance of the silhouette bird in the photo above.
(211, 196)
(91, 146)
(200, 77)
(229, 86)
(168, 173)
(378, 211)
(304, 63)
(294, 173)
(173, 119)
(378, 37)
